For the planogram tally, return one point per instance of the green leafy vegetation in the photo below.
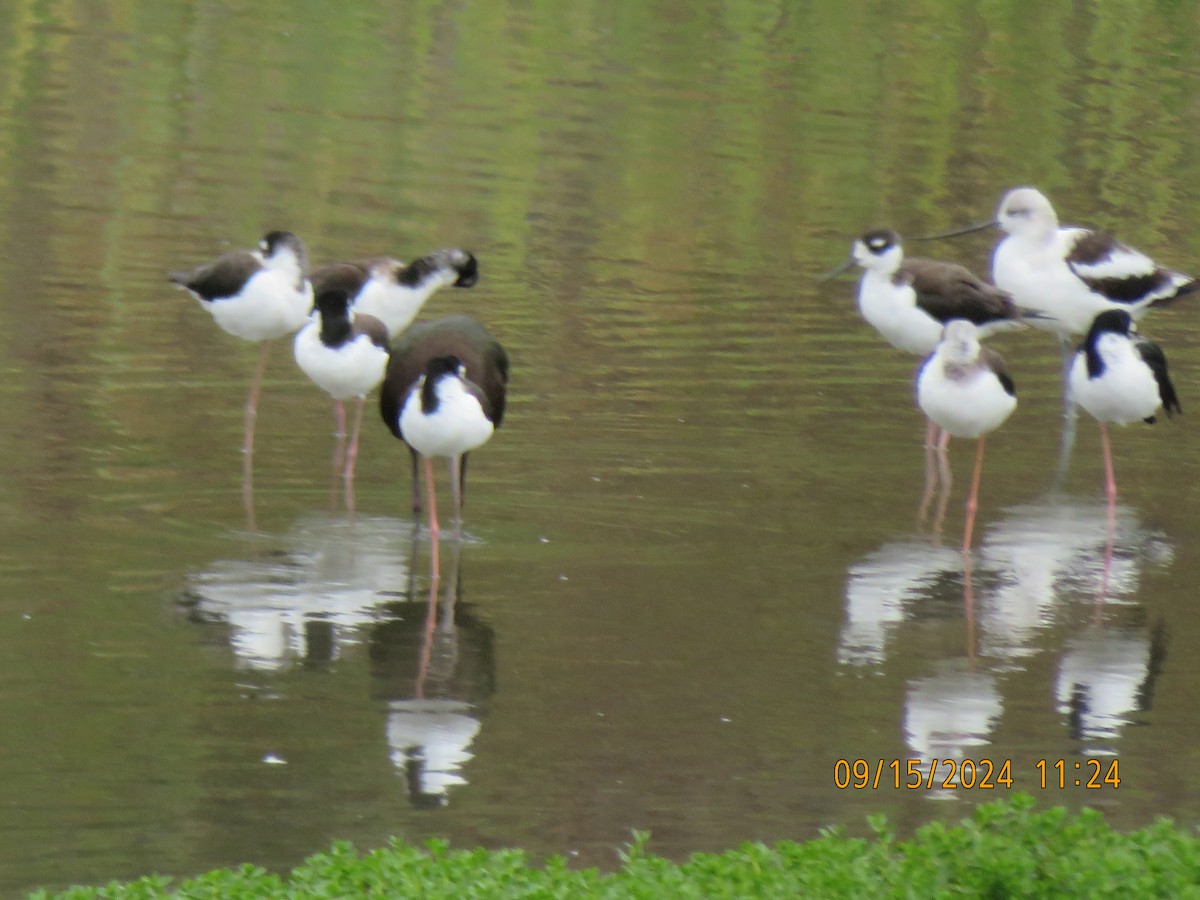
(1005, 849)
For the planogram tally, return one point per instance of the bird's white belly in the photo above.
(1126, 391)
(903, 325)
(966, 407)
(457, 426)
(1040, 279)
(268, 307)
(352, 370)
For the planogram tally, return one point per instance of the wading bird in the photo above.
(965, 389)
(1119, 376)
(346, 354)
(444, 394)
(257, 295)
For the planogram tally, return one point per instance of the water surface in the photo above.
(694, 577)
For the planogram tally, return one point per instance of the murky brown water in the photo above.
(694, 579)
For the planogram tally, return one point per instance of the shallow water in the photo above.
(694, 577)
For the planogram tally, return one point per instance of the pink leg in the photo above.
(456, 492)
(252, 400)
(339, 436)
(1110, 482)
(943, 446)
(973, 499)
(434, 528)
(352, 453)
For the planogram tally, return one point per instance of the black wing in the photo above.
(225, 277)
(949, 291)
(996, 363)
(1153, 356)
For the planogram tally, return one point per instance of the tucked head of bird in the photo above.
(444, 365)
(442, 264)
(1115, 320)
(960, 342)
(467, 267)
(333, 303)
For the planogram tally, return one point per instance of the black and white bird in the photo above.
(394, 292)
(1072, 274)
(346, 354)
(444, 394)
(257, 295)
(1118, 376)
(966, 390)
(908, 301)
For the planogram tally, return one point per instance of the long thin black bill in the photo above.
(970, 229)
(834, 273)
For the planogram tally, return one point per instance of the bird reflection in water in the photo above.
(1031, 563)
(1031, 559)
(436, 672)
(306, 598)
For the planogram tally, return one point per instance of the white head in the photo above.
(960, 342)
(879, 251)
(1026, 212)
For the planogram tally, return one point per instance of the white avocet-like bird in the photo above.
(444, 394)
(394, 292)
(1073, 274)
(1119, 376)
(908, 301)
(346, 354)
(257, 295)
(965, 389)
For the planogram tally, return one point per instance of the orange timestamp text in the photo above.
(971, 774)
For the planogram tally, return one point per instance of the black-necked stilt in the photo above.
(1119, 376)
(908, 301)
(345, 352)
(443, 395)
(257, 295)
(394, 292)
(965, 389)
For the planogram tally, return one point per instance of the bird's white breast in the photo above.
(457, 426)
(352, 370)
(268, 306)
(1124, 392)
(891, 309)
(967, 404)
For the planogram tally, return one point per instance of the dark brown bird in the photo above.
(419, 363)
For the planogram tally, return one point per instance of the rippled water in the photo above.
(694, 577)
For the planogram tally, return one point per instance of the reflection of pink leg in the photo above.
(352, 453)
(969, 606)
(435, 576)
(973, 498)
